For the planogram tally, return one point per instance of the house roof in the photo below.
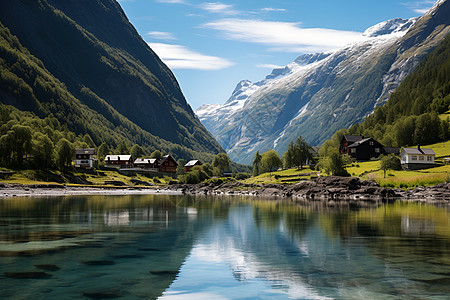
(356, 144)
(353, 138)
(165, 157)
(145, 161)
(360, 142)
(117, 157)
(89, 151)
(192, 163)
(419, 151)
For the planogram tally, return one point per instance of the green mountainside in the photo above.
(83, 66)
(410, 116)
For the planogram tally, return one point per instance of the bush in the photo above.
(241, 176)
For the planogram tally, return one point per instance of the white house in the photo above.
(417, 158)
(84, 158)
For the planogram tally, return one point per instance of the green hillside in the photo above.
(80, 68)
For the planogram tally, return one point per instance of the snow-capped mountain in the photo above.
(320, 93)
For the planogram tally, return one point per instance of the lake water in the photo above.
(184, 247)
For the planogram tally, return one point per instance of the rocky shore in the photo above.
(326, 189)
(37, 190)
(330, 190)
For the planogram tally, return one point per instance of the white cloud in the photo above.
(284, 36)
(269, 66)
(420, 7)
(161, 35)
(218, 7)
(269, 9)
(181, 57)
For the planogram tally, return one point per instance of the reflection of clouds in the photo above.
(113, 218)
(192, 213)
(220, 247)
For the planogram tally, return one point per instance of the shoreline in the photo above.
(330, 190)
(49, 190)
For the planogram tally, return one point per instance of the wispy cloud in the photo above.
(283, 36)
(269, 66)
(220, 8)
(181, 57)
(270, 9)
(420, 7)
(161, 35)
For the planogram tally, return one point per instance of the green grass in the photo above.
(27, 177)
(445, 115)
(283, 177)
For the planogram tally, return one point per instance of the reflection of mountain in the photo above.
(206, 248)
(294, 254)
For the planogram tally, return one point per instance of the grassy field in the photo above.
(370, 170)
(45, 177)
(284, 177)
(406, 179)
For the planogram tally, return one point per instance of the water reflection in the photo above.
(220, 248)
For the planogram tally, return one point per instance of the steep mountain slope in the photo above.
(410, 116)
(315, 97)
(97, 60)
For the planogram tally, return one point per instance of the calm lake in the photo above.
(185, 247)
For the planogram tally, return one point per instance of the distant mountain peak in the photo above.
(390, 27)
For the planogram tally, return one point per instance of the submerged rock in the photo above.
(98, 262)
(48, 267)
(164, 272)
(103, 295)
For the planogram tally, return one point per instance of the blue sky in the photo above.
(211, 46)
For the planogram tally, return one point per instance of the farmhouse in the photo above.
(119, 161)
(366, 149)
(347, 140)
(417, 158)
(84, 158)
(191, 164)
(167, 164)
(361, 148)
(149, 164)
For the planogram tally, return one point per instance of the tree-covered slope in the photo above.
(83, 62)
(410, 116)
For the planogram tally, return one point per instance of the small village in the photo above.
(126, 164)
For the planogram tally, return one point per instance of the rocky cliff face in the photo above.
(320, 93)
(98, 56)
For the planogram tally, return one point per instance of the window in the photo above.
(421, 157)
(353, 150)
(414, 157)
(377, 150)
(371, 143)
(404, 158)
(429, 158)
